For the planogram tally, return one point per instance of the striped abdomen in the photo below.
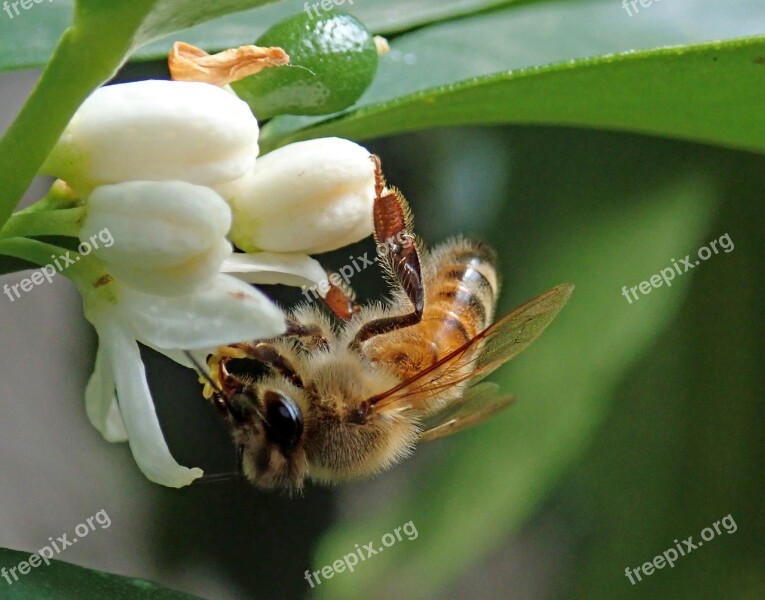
(461, 288)
(460, 294)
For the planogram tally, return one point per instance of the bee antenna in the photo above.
(202, 372)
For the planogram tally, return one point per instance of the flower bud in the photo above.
(156, 130)
(307, 197)
(167, 237)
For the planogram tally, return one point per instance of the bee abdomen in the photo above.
(463, 289)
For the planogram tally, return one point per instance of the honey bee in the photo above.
(332, 404)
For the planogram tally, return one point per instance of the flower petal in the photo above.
(144, 433)
(225, 312)
(180, 357)
(269, 268)
(101, 403)
(196, 273)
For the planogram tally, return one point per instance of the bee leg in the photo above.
(265, 353)
(340, 300)
(393, 231)
(311, 335)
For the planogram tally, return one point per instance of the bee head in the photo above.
(267, 425)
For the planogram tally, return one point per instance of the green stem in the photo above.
(59, 196)
(44, 222)
(66, 81)
(85, 273)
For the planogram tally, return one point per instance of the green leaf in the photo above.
(480, 486)
(28, 39)
(102, 36)
(541, 63)
(684, 443)
(62, 581)
(333, 59)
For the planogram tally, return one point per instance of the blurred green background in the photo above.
(636, 424)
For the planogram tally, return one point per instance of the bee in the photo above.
(334, 403)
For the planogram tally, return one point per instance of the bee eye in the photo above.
(284, 421)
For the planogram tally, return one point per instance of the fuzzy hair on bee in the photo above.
(331, 401)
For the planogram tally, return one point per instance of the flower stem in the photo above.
(85, 273)
(66, 81)
(44, 222)
(59, 196)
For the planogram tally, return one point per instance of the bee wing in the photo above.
(477, 404)
(491, 348)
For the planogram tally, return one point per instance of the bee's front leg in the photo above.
(393, 228)
(266, 353)
(341, 301)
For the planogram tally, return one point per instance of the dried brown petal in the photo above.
(189, 63)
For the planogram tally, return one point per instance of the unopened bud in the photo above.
(309, 197)
(153, 131)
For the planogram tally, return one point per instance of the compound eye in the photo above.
(284, 421)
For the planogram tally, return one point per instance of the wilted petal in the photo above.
(189, 63)
(307, 197)
(101, 402)
(270, 268)
(147, 442)
(225, 312)
(156, 130)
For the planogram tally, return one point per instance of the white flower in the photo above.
(168, 238)
(307, 197)
(224, 312)
(151, 161)
(156, 130)
(227, 311)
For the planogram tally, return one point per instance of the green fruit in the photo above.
(333, 60)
